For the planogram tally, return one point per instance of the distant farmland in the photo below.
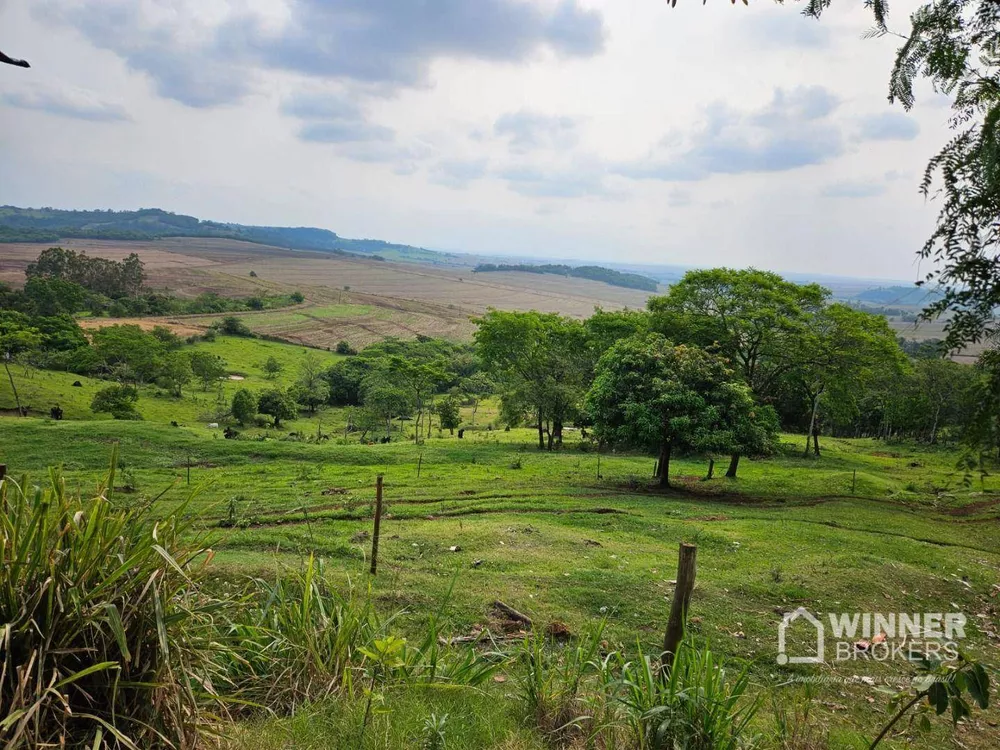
(356, 300)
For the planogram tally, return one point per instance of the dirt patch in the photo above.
(146, 324)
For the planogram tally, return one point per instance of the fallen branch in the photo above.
(512, 613)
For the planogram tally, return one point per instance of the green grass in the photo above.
(43, 389)
(554, 541)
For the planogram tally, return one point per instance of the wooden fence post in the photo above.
(378, 523)
(679, 607)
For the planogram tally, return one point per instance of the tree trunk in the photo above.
(664, 467)
(937, 415)
(17, 399)
(541, 435)
(734, 465)
(812, 422)
(550, 434)
(711, 469)
(475, 408)
(816, 442)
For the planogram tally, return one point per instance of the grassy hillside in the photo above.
(40, 390)
(541, 532)
(571, 538)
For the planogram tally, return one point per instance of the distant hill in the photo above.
(898, 295)
(51, 224)
(594, 273)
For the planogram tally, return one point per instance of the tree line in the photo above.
(594, 273)
(715, 366)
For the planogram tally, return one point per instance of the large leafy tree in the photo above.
(755, 319)
(842, 349)
(311, 388)
(542, 362)
(277, 404)
(128, 347)
(651, 394)
(244, 406)
(207, 367)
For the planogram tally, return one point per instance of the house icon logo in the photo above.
(791, 617)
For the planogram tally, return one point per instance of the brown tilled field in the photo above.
(352, 299)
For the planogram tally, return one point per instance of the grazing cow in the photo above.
(56, 413)
(213, 425)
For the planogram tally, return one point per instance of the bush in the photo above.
(233, 326)
(103, 640)
(345, 348)
(118, 401)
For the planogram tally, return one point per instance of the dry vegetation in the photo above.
(350, 299)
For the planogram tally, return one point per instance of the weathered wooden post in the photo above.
(854, 481)
(656, 468)
(679, 607)
(378, 523)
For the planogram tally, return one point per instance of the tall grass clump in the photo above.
(104, 640)
(298, 640)
(697, 705)
(585, 695)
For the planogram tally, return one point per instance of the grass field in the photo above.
(40, 390)
(542, 533)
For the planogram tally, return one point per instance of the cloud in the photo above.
(802, 103)
(888, 126)
(679, 198)
(779, 29)
(458, 173)
(329, 117)
(792, 131)
(527, 131)
(200, 56)
(344, 132)
(65, 101)
(850, 189)
(573, 182)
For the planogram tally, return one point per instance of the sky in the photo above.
(615, 130)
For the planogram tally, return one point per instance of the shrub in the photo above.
(244, 407)
(117, 400)
(233, 326)
(345, 348)
(103, 638)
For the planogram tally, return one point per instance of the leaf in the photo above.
(978, 685)
(925, 723)
(924, 682)
(959, 709)
(937, 696)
